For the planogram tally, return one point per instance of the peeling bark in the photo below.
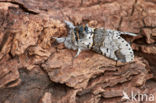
(36, 69)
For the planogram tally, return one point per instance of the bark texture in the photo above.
(36, 69)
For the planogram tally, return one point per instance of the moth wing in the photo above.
(109, 47)
(125, 52)
(108, 53)
(117, 48)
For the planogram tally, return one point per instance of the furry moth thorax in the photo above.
(103, 41)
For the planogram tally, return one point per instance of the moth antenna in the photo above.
(69, 24)
(116, 63)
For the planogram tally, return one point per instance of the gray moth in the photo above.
(103, 41)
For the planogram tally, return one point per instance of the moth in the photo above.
(103, 41)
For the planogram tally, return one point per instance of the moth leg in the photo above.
(78, 52)
(118, 33)
(116, 63)
(127, 33)
(59, 40)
